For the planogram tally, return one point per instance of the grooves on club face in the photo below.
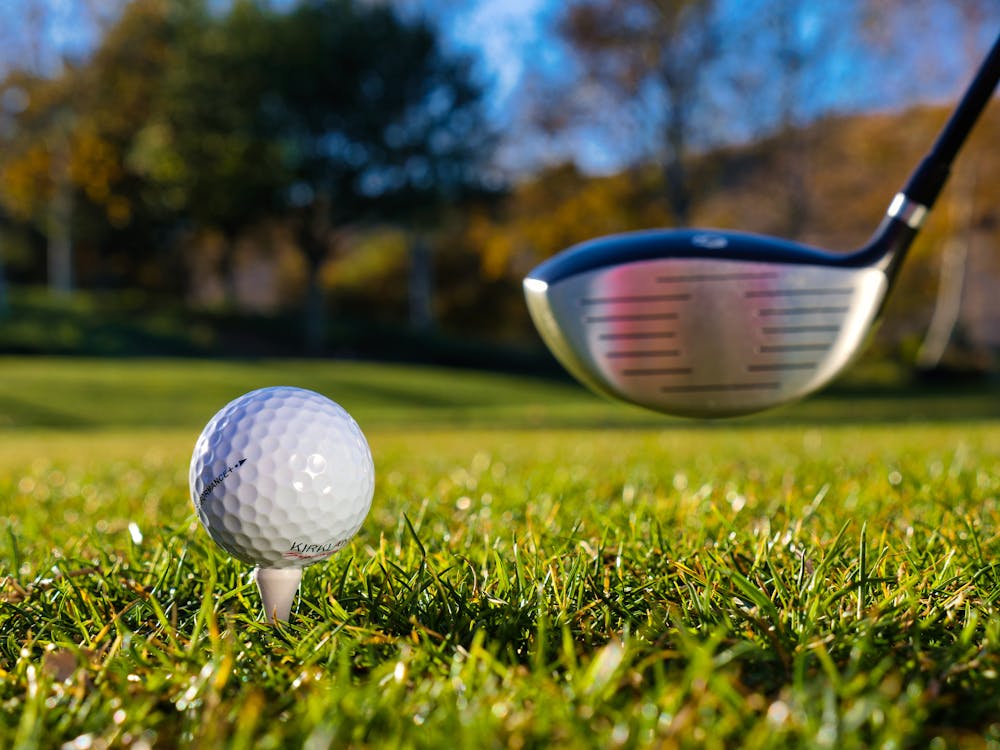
(707, 337)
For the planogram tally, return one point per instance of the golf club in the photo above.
(707, 323)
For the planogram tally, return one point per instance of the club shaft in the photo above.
(930, 176)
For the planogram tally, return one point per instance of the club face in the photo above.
(706, 336)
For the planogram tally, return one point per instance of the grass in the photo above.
(540, 569)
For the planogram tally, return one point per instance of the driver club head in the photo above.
(703, 323)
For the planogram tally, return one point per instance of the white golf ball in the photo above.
(282, 477)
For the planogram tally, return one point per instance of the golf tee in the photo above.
(277, 588)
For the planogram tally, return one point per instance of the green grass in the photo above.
(539, 569)
(97, 394)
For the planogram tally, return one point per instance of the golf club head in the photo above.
(717, 324)
(705, 323)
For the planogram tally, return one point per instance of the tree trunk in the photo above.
(421, 284)
(4, 303)
(678, 195)
(314, 327)
(227, 270)
(797, 187)
(60, 235)
(674, 170)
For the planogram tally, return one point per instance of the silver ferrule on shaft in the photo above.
(908, 211)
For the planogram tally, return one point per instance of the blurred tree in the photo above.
(66, 135)
(648, 61)
(204, 148)
(35, 161)
(329, 114)
(125, 211)
(789, 60)
(797, 61)
(374, 120)
(4, 303)
(324, 114)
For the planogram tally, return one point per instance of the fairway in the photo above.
(539, 569)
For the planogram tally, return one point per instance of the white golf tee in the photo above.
(277, 588)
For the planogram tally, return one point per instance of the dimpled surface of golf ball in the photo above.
(282, 477)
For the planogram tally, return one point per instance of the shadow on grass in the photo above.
(833, 408)
(16, 411)
(81, 394)
(867, 405)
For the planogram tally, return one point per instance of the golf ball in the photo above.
(282, 477)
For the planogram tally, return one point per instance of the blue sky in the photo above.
(64, 28)
(510, 36)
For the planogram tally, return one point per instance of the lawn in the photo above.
(539, 569)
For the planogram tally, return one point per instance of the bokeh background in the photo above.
(372, 179)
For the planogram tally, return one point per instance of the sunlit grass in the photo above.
(763, 585)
